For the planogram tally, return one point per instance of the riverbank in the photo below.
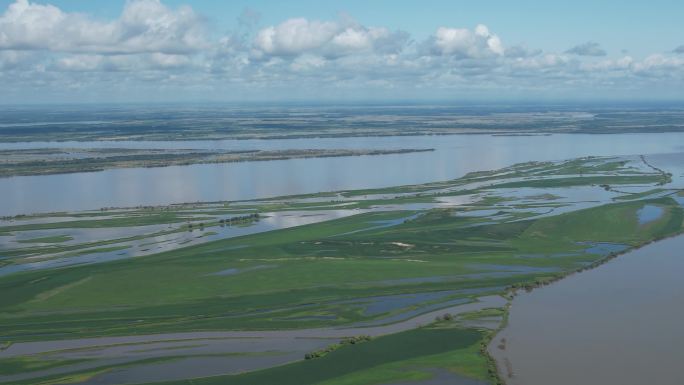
(66, 161)
(454, 156)
(556, 339)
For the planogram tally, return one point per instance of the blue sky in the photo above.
(603, 49)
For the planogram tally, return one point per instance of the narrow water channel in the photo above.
(619, 324)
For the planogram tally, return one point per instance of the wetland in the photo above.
(244, 290)
(256, 254)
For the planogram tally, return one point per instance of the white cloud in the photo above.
(541, 62)
(122, 63)
(353, 39)
(294, 36)
(462, 42)
(657, 63)
(144, 26)
(149, 43)
(327, 38)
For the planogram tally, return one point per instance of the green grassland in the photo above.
(315, 272)
(351, 364)
(25, 364)
(359, 265)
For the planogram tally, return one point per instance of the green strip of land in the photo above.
(64, 161)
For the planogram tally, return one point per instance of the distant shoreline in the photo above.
(215, 123)
(36, 162)
(492, 132)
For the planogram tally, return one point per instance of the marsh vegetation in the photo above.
(312, 268)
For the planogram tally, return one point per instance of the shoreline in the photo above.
(334, 195)
(473, 131)
(512, 292)
(40, 167)
(455, 132)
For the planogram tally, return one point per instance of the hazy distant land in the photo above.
(207, 122)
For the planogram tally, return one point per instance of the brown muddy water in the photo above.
(618, 324)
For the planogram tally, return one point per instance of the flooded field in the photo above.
(228, 352)
(341, 193)
(617, 324)
(282, 280)
(67, 239)
(138, 241)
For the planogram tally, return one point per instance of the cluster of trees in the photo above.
(240, 219)
(9, 218)
(200, 225)
(492, 368)
(529, 286)
(333, 347)
(445, 317)
(139, 207)
(227, 222)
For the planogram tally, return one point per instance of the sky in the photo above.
(261, 50)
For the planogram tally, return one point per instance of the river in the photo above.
(619, 324)
(454, 156)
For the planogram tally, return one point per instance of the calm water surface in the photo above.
(454, 156)
(620, 324)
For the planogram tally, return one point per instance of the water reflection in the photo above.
(171, 240)
(454, 156)
(649, 213)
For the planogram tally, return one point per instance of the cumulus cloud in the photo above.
(144, 26)
(326, 38)
(294, 36)
(679, 49)
(465, 43)
(149, 43)
(657, 63)
(587, 49)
